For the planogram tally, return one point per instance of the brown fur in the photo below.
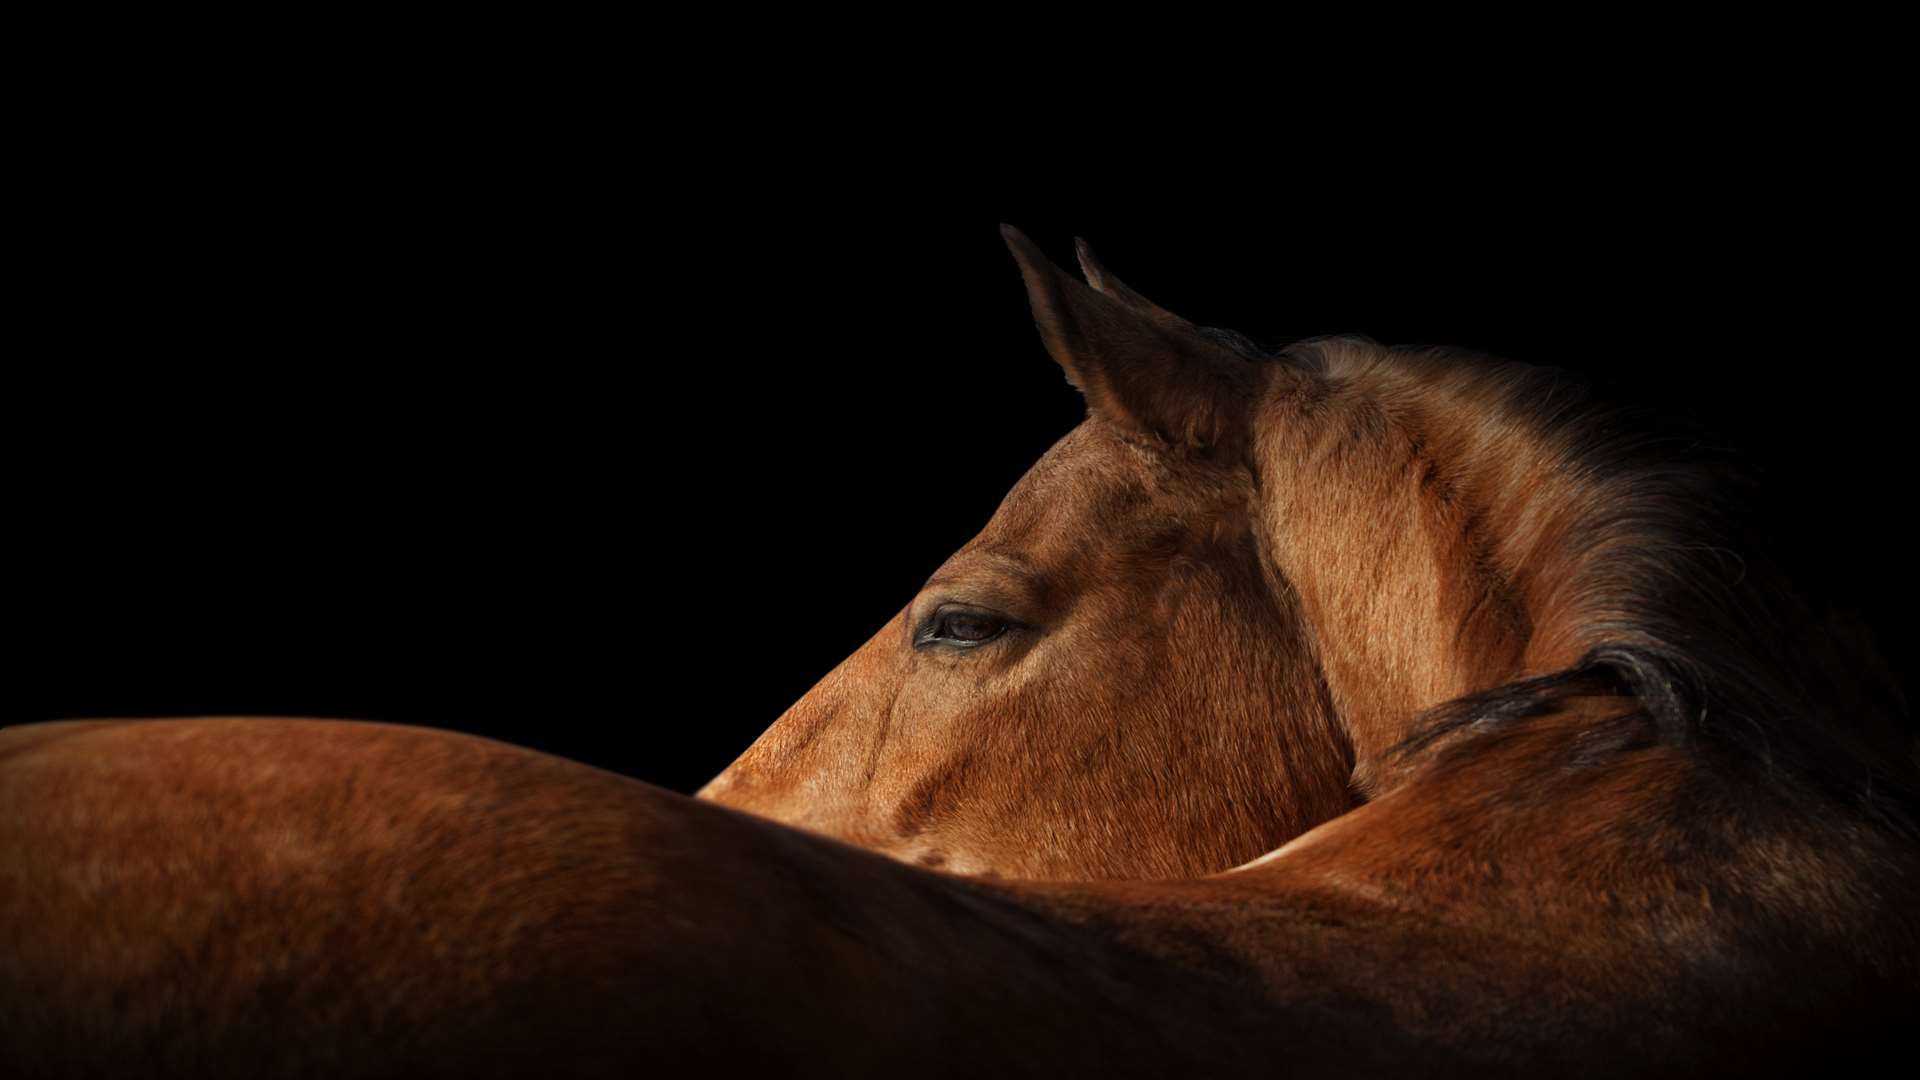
(1368, 711)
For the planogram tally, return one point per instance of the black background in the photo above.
(610, 434)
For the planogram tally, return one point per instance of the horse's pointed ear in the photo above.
(1103, 280)
(1138, 365)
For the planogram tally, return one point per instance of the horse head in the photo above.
(1108, 680)
(1215, 614)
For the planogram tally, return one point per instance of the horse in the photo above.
(1338, 709)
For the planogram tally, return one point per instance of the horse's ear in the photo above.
(1103, 280)
(1138, 365)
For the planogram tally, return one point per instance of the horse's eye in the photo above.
(967, 627)
(964, 628)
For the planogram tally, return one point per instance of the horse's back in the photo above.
(275, 897)
(229, 897)
(246, 897)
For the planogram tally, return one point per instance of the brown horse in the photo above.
(1345, 710)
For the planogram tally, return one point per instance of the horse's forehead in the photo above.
(1093, 480)
(1085, 471)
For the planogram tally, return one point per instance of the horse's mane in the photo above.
(1683, 596)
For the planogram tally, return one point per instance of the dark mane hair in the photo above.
(1686, 597)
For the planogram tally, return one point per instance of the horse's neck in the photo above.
(1450, 528)
(1404, 517)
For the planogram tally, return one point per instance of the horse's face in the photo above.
(1099, 684)
(1103, 683)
